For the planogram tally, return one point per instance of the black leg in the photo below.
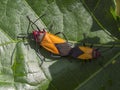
(84, 44)
(49, 27)
(84, 37)
(42, 58)
(41, 63)
(62, 34)
(22, 36)
(55, 56)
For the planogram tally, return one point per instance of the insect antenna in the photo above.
(38, 18)
(33, 24)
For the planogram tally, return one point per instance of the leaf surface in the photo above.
(20, 66)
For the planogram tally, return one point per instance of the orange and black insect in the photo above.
(51, 42)
(59, 46)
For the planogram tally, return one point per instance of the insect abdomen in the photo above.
(81, 52)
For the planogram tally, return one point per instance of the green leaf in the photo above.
(117, 7)
(20, 65)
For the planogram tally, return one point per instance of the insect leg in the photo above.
(42, 58)
(84, 36)
(22, 36)
(62, 34)
(49, 27)
(33, 23)
(85, 40)
(55, 56)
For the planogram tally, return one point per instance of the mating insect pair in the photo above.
(57, 46)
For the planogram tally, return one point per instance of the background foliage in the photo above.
(20, 67)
